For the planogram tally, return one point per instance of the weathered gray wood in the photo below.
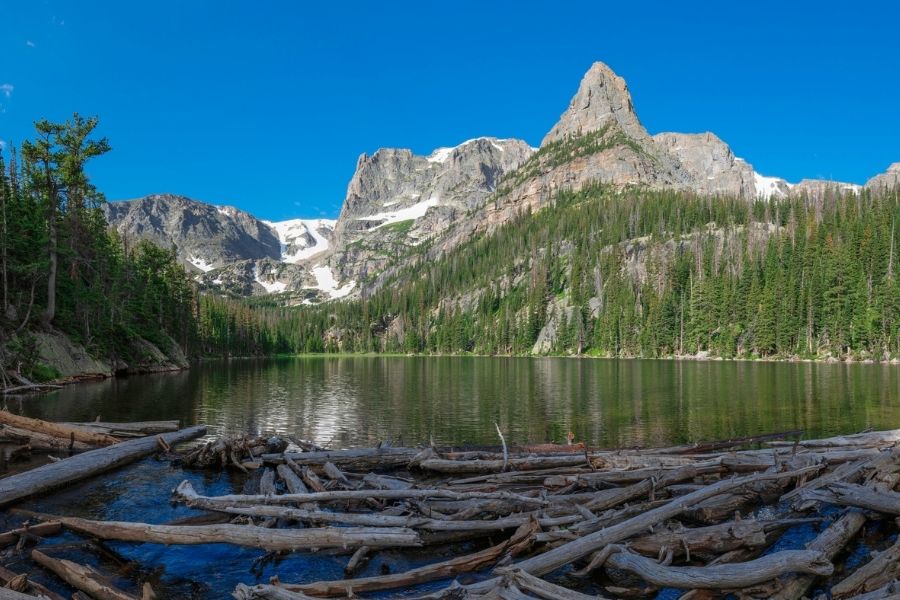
(882, 569)
(54, 475)
(581, 547)
(381, 520)
(266, 592)
(59, 430)
(185, 493)
(7, 594)
(361, 457)
(245, 535)
(267, 483)
(291, 480)
(728, 576)
(81, 577)
(848, 494)
(41, 442)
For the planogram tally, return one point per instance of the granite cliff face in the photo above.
(399, 203)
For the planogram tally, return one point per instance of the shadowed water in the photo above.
(357, 401)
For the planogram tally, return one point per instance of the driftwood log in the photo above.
(82, 466)
(245, 535)
(59, 430)
(727, 576)
(81, 577)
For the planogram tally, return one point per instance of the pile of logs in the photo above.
(546, 522)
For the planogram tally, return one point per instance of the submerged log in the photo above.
(81, 577)
(882, 569)
(245, 535)
(728, 576)
(59, 430)
(54, 475)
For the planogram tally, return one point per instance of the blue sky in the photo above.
(267, 105)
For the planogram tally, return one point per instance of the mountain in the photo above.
(400, 206)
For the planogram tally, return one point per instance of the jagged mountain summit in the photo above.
(398, 202)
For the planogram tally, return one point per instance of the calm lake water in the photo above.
(357, 401)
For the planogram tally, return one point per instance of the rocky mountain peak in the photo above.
(602, 98)
(888, 179)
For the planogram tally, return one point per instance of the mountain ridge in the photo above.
(397, 201)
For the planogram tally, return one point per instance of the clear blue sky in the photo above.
(267, 105)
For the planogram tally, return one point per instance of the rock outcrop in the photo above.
(887, 180)
(399, 203)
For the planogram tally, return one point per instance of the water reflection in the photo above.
(351, 401)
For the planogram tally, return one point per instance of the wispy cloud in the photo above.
(7, 89)
(30, 44)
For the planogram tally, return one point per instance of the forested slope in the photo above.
(62, 270)
(626, 273)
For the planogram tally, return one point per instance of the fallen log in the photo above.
(359, 558)
(185, 493)
(41, 442)
(266, 592)
(581, 547)
(81, 466)
(728, 576)
(869, 439)
(245, 535)
(8, 594)
(59, 430)
(860, 496)
(882, 569)
(715, 539)
(409, 522)
(541, 588)
(356, 458)
(291, 480)
(520, 541)
(40, 529)
(81, 577)
(890, 591)
(9, 579)
(118, 429)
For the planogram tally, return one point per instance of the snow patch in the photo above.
(326, 282)
(440, 155)
(201, 264)
(768, 187)
(272, 287)
(415, 211)
(228, 211)
(292, 234)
